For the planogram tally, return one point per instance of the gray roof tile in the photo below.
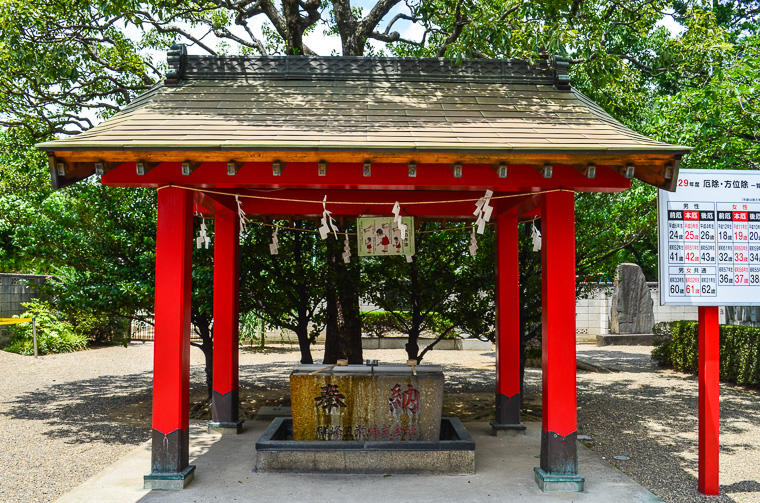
(304, 103)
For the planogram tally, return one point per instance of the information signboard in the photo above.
(709, 239)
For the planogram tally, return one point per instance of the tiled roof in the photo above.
(367, 104)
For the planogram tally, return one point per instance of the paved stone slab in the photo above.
(504, 470)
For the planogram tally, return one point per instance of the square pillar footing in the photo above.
(509, 429)
(548, 482)
(225, 428)
(169, 481)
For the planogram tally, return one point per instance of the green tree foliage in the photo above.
(718, 110)
(286, 290)
(97, 243)
(615, 228)
(442, 284)
(67, 63)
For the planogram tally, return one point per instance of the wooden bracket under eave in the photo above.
(102, 167)
(588, 170)
(546, 170)
(64, 173)
(188, 167)
(671, 174)
(142, 167)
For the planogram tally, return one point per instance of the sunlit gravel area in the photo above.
(64, 418)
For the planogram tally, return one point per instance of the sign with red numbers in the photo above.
(709, 234)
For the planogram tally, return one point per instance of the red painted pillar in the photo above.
(559, 458)
(224, 404)
(709, 402)
(507, 324)
(171, 350)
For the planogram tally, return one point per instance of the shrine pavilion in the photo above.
(281, 133)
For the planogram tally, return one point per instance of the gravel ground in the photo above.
(650, 415)
(64, 418)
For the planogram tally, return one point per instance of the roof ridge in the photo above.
(182, 66)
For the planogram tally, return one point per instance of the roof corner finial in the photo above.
(176, 60)
(561, 72)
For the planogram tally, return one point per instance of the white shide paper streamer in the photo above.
(241, 215)
(397, 220)
(203, 237)
(483, 210)
(274, 246)
(536, 235)
(328, 223)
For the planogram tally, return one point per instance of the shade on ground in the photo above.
(504, 472)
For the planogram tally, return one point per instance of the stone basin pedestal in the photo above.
(362, 419)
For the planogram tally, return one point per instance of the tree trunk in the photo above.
(332, 333)
(353, 45)
(304, 344)
(302, 329)
(207, 346)
(294, 38)
(412, 346)
(352, 316)
(522, 356)
(343, 330)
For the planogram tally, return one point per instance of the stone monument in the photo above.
(632, 311)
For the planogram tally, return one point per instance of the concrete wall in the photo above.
(592, 316)
(15, 289)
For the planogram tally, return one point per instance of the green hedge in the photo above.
(739, 351)
(380, 323)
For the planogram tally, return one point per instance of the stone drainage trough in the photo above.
(454, 453)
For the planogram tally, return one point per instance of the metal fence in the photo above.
(142, 330)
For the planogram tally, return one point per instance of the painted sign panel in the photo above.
(379, 236)
(709, 239)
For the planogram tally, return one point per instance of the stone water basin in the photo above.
(452, 453)
(366, 419)
(367, 403)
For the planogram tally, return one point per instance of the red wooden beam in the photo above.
(224, 405)
(280, 202)
(384, 176)
(709, 400)
(171, 351)
(507, 324)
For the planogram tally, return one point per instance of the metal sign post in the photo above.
(709, 248)
(34, 335)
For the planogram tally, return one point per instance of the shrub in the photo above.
(54, 333)
(99, 328)
(739, 351)
(380, 323)
(662, 329)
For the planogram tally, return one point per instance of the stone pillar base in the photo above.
(558, 481)
(225, 428)
(509, 429)
(169, 481)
